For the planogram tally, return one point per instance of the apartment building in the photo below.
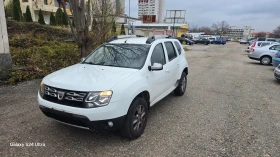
(240, 32)
(47, 7)
(152, 7)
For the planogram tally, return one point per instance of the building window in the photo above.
(46, 2)
(24, 0)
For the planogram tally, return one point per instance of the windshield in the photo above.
(119, 55)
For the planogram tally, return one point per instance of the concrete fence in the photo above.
(5, 56)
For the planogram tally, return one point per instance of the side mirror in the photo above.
(156, 67)
(83, 59)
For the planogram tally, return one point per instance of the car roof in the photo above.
(140, 40)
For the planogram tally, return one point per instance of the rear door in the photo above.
(274, 49)
(172, 63)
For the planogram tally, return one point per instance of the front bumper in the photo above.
(91, 118)
(81, 121)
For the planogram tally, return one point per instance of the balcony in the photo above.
(46, 8)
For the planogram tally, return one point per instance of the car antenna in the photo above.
(128, 38)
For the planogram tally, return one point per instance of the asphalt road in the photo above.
(232, 108)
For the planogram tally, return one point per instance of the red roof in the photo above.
(267, 33)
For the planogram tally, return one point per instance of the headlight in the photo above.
(42, 88)
(98, 99)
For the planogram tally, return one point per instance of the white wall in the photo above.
(4, 43)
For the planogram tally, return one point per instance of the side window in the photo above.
(158, 55)
(178, 46)
(170, 50)
(277, 48)
(272, 47)
(259, 44)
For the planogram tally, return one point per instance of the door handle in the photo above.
(178, 64)
(167, 71)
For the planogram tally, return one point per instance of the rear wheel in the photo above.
(266, 60)
(136, 119)
(181, 88)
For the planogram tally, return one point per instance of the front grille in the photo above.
(64, 97)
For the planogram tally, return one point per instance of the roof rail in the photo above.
(156, 37)
(123, 37)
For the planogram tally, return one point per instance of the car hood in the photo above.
(84, 77)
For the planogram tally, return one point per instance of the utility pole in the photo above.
(5, 56)
(174, 23)
(128, 25)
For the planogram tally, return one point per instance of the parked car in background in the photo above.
(212, 39)
(218, 41)
(276, 59)
(185, 41)
(244, 41)
(259, 44)
(264, 54)
(202, 41)
(277, 73)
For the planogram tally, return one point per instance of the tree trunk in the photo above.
(85, 47)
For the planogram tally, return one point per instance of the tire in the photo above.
(266, 60)
(181, 88)
(130, 129)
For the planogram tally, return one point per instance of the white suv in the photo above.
(115, 86)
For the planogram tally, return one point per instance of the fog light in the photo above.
(110, 124)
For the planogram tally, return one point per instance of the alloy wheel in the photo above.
(139, 118)
(266, 60)
(183, 85)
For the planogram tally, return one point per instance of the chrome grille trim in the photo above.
(68, 95)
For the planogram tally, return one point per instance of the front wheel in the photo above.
(136, 119)
(181, 88)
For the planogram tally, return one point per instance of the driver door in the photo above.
(158, 79)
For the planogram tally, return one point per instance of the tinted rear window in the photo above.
(261, 39)
(170, 50)
(178, 46)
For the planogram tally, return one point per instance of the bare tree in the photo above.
(220, 28)
(80, 10)
(205, 29)
(104, 14)
(194, 29)
(98, 13)
(276, 33)
(261, 35)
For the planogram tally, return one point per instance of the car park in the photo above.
(144, 71)
(202, 41)
(276, 59)
(264, 54)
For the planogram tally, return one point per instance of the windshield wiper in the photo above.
(91, 63)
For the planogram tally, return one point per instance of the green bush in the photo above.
(17, 13)
(39, 61)
(21, 29)
(52, 20)
(64, 19)
(41, 19)
(59, 16)
(28, 17)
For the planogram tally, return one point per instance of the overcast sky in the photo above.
(262, 15)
